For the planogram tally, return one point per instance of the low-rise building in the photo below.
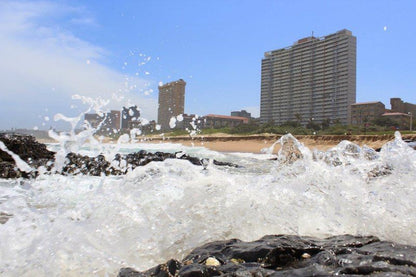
(129, 116)
(146, 127)
(220, 121)
(107, 123)
(242, 113)
(363, 113)
(190, 122)
(402, 120)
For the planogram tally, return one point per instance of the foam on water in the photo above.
(83, 226)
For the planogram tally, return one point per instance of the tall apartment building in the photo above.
(171, 102)
(314, 79)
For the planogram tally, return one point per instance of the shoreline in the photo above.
(255, 143)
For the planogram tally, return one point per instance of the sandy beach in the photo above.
(255, 143)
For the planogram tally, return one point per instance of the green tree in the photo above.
(290, 124)
(325, 123)
(298, 118)
(313, 125)
(384, 121)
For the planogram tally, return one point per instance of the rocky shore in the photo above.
(289, 255)
(39, 158)
(272, 255)
(35, 154)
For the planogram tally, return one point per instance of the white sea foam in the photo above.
(22, 165)
(83, 226)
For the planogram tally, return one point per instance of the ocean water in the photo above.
(83, 226)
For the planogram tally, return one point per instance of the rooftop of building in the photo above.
(310, 38)
(366, 103)
(180, 81)
(394, 113)
(227, 117)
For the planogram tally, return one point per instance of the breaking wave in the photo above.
(84, 225)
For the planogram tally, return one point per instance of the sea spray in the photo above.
(83, 225)
(22, 165)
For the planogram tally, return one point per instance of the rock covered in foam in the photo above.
(38, 156)
(290, 255)
(35, 154)
(96, 166)
(25, 146)
(290, 149)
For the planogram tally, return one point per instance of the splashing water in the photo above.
(83, 225)
(22, 165)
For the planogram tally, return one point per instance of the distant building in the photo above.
(129, 115)
(107, 123)
(220, 121)
(171, 102)
(397, 105)
(190, 122)
(402, 120)
(93, 119)
(146, 127)
(362, 113)
(242, 113)
(114, 119)
(314, 79)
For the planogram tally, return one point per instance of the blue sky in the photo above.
(119, 51)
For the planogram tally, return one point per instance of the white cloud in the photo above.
(43, 65)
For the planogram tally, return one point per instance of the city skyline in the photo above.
(122, 53)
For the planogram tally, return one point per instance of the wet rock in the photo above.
(26, 147)
(288, 255)
(96, 166)
(290, 150)
(411, 143)
(170, 268)
(9, 170)
(380, 170)
(4, 217)
(36, 155)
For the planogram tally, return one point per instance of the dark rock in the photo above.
(4, 217)
(129, 272)
(78, 164)
(9, 170)
(219, 163)
(36, 155)
(170, 268)
(287, 255)
(26, 147)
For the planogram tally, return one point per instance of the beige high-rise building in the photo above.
(314, 79)
(171, 102)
